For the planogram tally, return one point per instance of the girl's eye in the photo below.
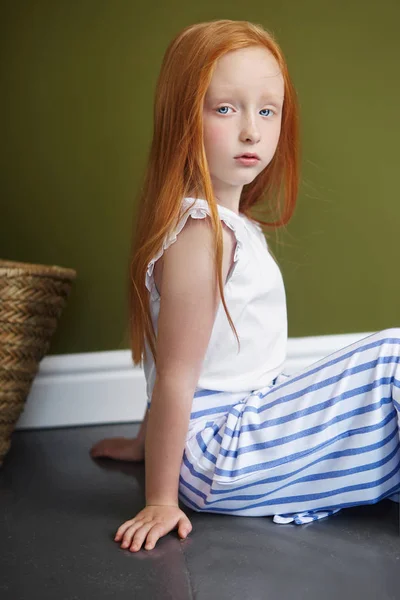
(221, 107)
(267, 109)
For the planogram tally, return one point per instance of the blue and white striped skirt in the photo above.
(303, 447)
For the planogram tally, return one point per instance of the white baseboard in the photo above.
(93, 388)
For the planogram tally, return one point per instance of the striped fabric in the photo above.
(305, 446)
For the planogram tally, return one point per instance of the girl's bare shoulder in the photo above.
(229, 243)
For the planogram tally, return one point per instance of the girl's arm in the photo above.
(188, 306)
(165, 440)
(141, 436)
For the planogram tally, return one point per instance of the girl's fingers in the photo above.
(129, 533)
(135, 531)
(125, 526)
(184, 527)
(139, 536)
(121, 530)
(153, 535)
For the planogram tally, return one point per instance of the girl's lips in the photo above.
(245, 160)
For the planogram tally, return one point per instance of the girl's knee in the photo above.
(389, 336)
(391, 332)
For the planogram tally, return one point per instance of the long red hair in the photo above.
(177, 163)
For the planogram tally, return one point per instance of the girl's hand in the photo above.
(152, 522)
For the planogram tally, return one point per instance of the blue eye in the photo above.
(229, 107)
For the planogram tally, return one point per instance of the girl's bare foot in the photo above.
(119, 448)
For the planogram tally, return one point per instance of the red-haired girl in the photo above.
(228, 431)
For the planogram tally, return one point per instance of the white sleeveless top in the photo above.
(256, 300)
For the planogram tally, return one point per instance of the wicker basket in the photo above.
(32, 298)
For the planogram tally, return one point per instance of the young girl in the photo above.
(228, 431)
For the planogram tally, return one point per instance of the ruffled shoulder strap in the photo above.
(197, 208)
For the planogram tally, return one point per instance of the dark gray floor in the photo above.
(60, 510)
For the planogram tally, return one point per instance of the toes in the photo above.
(96, 450)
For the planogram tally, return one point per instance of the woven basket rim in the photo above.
(10, 268)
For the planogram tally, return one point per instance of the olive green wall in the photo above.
(77, 98)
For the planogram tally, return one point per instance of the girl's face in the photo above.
(242, 113)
